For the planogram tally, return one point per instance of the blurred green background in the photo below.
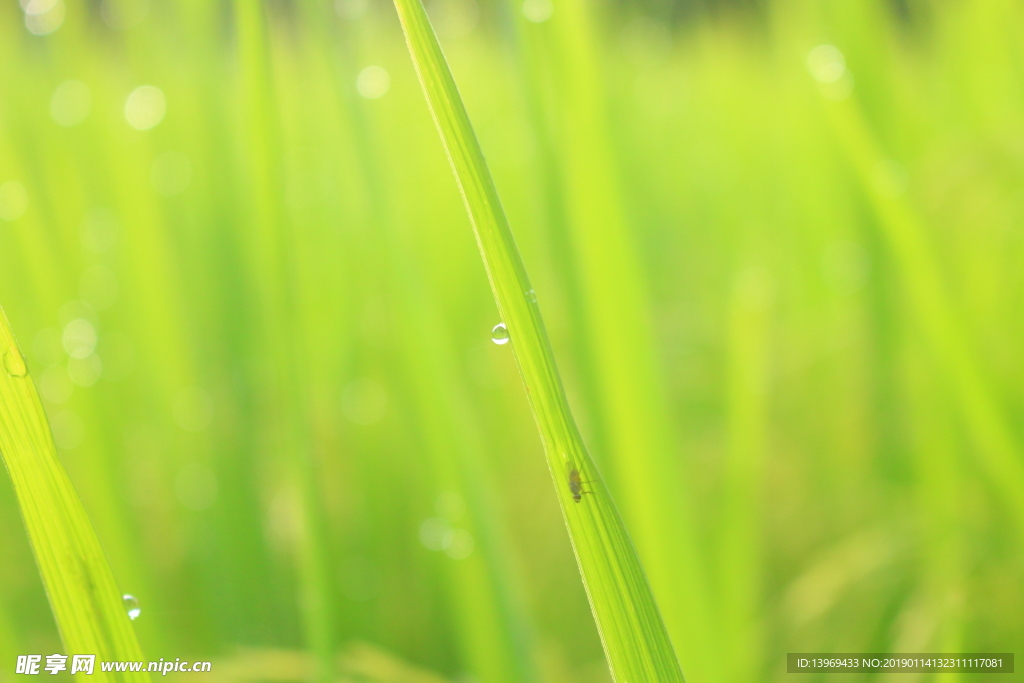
(778, 247)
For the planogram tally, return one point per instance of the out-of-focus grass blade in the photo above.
(632, 633)
(738, 558)
(83, 594)
(492, 628)
(275, 259)
(907, 238)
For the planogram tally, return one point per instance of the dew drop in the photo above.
(14, 364)
(499, 335)
(131, 605)
(531, 296)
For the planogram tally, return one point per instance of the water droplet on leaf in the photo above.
(14, 364)
(499, 335)
(131, 606)
(531, 296)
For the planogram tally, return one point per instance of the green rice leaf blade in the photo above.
(632, 633)
(83, 595)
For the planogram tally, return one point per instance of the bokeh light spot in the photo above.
(43, 16)
(80, 338)
(538, 11)
(145, 107)
(373, 82)
(351, 9)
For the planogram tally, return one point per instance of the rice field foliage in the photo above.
(775, 249)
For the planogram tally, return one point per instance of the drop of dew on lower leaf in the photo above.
(131, 606)
(499, 335)
(531, 296)
(14, 364)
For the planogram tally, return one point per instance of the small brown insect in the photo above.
(576, 484)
